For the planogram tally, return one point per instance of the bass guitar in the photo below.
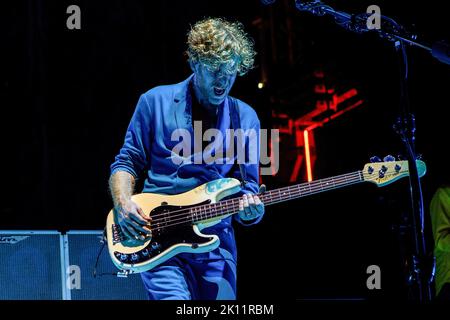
(177, 220)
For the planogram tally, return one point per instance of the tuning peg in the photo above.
(389, 158)
(375, 159)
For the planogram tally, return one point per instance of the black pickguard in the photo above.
(164, 235)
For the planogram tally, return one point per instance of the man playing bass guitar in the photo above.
(218, 51)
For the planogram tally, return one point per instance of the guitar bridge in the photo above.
(117, 234)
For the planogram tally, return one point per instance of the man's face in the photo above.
(213, 86)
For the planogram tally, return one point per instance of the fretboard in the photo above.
(231, 206)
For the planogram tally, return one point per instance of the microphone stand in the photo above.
(420, 277)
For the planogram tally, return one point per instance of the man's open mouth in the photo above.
(219, 91)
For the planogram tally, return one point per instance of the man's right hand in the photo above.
(132, 220)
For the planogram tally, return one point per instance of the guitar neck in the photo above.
(223, 208)
(310, 188)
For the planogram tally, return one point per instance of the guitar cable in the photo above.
(103, 241)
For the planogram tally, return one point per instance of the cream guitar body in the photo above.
(176, 226)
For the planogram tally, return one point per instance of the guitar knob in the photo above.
(145, 252)
(375, 159)
(155, 246)
(134, 257)
(123, 257)
(389, 158)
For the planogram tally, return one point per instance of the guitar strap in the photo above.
(236, 124)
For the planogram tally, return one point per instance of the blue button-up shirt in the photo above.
(148, 147)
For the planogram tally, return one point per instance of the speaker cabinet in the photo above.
(81, 250)
(31, 265)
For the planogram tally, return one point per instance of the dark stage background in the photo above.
(67, 97)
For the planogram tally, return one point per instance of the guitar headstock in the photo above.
(386, 172)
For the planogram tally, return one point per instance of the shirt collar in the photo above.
(180, 95)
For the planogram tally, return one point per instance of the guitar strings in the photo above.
(231, 204)
(274, 196)
(312, 187)
(309, 186)
(230, 208)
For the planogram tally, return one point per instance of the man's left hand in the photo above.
(250, 207)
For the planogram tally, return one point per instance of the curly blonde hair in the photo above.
(215, 41)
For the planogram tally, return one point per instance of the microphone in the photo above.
(267, 2)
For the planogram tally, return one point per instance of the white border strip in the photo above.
(28, 232)
(65, 266)
(85, 232)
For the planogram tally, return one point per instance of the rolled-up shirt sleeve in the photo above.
(134, 154)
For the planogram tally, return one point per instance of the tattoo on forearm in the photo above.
(121, 186)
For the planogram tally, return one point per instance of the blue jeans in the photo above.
(205, 276)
